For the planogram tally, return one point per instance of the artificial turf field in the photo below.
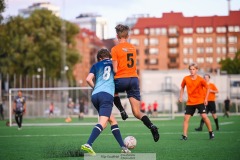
(64, 141)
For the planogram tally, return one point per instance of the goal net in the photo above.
(63, 99)
(38, 101)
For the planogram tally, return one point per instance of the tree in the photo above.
(2, 8)
(232, 66)
(36, 41)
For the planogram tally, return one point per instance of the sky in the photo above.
(117, 11)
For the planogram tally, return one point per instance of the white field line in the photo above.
(104, 134)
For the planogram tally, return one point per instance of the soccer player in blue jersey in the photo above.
(102, 99)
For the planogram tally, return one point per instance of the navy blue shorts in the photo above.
(103, 102)
(130, 85)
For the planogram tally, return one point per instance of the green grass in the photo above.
(63, 142)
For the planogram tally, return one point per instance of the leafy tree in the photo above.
(232, 66)
(2, 7)
(36, 41)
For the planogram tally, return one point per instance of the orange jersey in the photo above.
(126, 57)
(211, 96)
(196, 93)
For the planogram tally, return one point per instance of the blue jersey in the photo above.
(104, 77)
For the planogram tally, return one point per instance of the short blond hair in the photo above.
(195, 65)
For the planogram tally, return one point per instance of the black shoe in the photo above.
(217, 128)
(211, 135)
(198, 129)
(184, 138)
(155, 133)
(124, 115)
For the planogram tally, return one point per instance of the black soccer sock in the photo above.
(201, 123)
(146, 121)
(17, 121)
(118, 103)
(216, 122)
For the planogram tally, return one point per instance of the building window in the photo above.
(187, 51)
(172, 30)
(208, 29)
(173, 50)
(209, 60)
(232, 49)
(221, 50)
(200, 60)
(153, 61)
(221, 40)
(218, 59)
(232, 39)
(209, 50)
(188, 30)
(187, 40)
(185, 60)
(153, 51)
(134, 42)
(136, 31)
(200, 50)
(208, 40)
(152, 31)
(161, 31)
(146, 31)
(200, 40)
(233, 28)
(154, 41)
(221, 29)
(200, 30)
(172, 40)
(173, 60)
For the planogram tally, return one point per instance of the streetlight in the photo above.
(43, 82)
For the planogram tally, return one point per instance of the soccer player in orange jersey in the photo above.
(126, 78)
(211, 107)
(197, 99)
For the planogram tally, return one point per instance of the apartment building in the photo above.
(173, 41)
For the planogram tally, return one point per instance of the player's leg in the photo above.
(134, 98)
(117, 134)
(214, 115)
(17, 120)
(200, 126)
(185, 126)
(202, 110)
(119, 106)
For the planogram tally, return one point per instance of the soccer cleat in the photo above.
(184, 138)
(88, 148)
(155, 133)
(211, 135)
(125, 150)
(124, 115)
(217, 128)
(198, 129)
(20, 128)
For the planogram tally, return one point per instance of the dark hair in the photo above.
(122, 31)
(207, 75)
(103, 53)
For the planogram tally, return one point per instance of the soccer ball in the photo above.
(130, 142)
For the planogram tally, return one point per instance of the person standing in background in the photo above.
(211, 107)
(19, 108)
(227, 106)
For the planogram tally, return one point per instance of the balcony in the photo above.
(173, 55)
(173, 65)
(173, 45)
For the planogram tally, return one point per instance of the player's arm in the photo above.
(14, 106)
(24, 107)
(181, 91)
(115, 64)
(89, 80)
(214, 89)
(208, 91)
